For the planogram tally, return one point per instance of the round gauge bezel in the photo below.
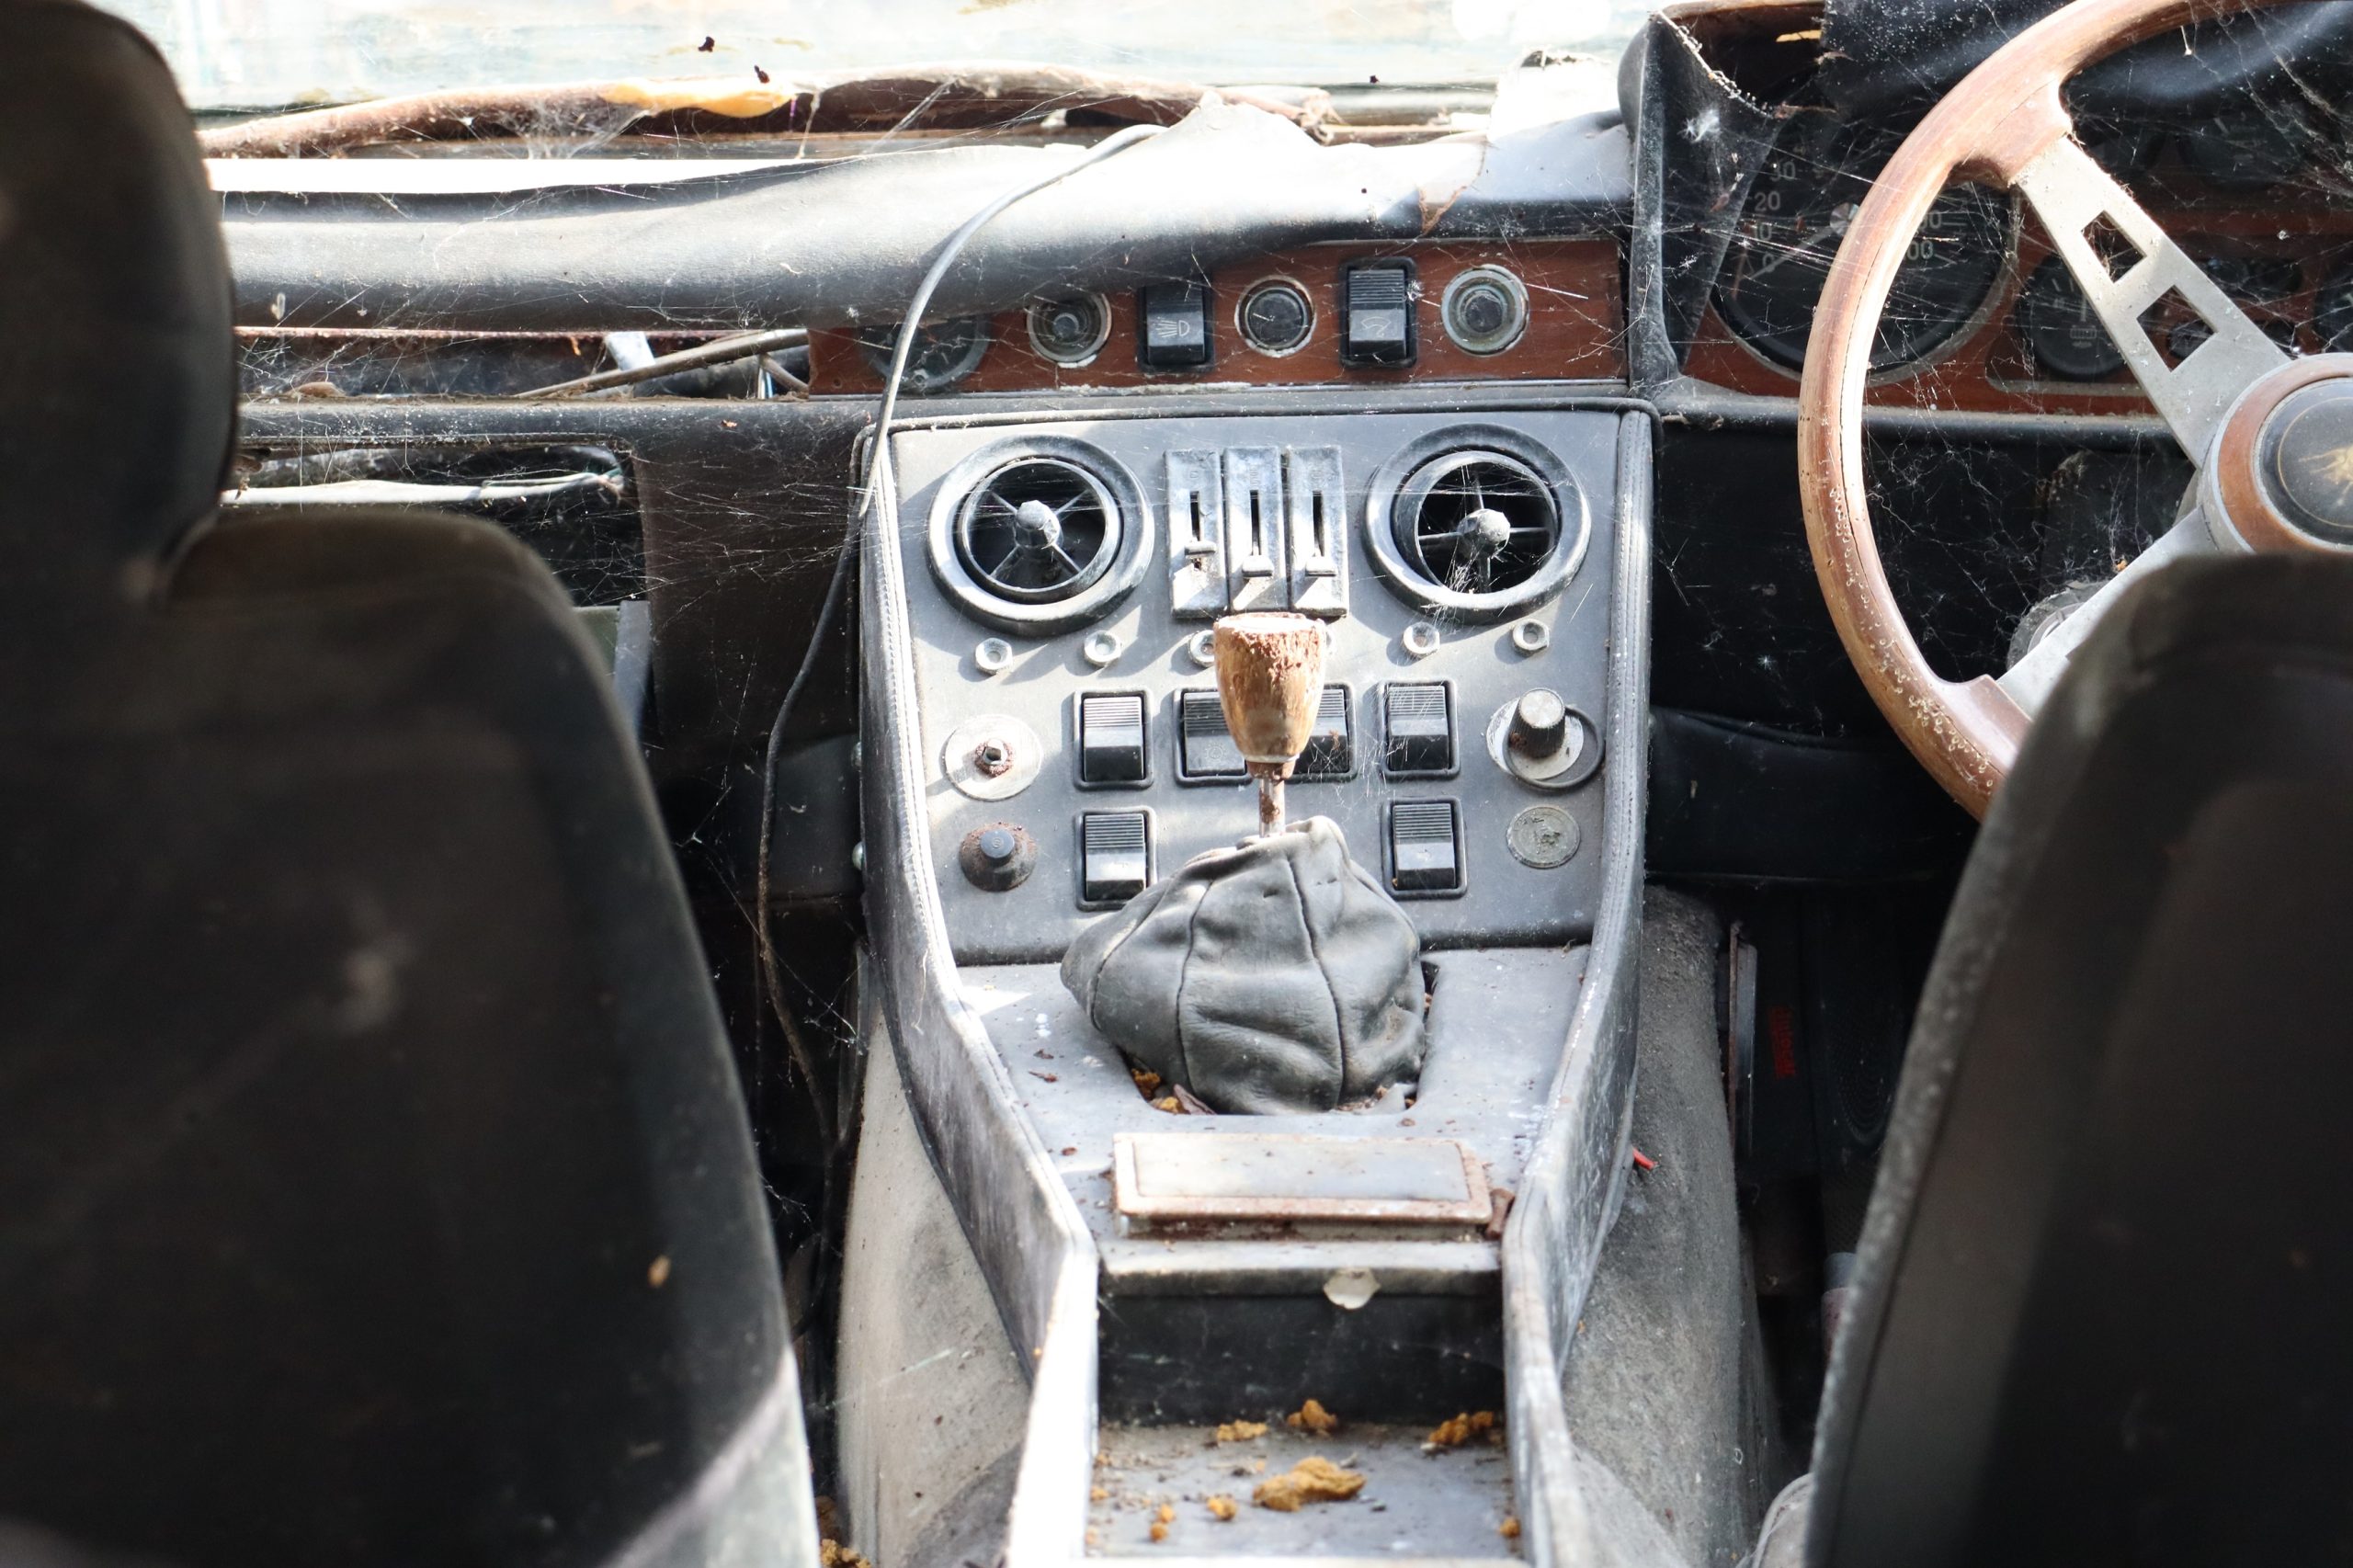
(1952, 329)
(1513, 288)
(2053, 266)
(1259, 286)
(917, 382)
(1069, 360)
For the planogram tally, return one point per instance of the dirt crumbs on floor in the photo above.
(1509, 1529)
(1453, 1434)
(1312, 1480)
(1313, 1418)
(834, 1555)
(1162, 1520)
(1240, 1431)
(1221, 1508)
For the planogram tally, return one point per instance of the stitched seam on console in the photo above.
(1339, 1024)
(1184, 1051)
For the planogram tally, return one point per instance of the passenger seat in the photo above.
(375, 1186)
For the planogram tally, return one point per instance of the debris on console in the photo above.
(1312, 1480)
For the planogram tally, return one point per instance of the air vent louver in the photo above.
(1472, 523)
(1038, 532)
(1477, 522)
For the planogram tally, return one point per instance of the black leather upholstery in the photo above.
(374, 1183)
(2106, 1286)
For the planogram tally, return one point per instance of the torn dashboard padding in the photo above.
(845, 242)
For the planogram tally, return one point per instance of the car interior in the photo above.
(913, 785)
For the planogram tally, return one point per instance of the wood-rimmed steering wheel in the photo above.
(2272, 436)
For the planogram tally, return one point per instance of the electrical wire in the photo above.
(718, 351)
(880, 480)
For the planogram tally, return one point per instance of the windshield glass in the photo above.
(276, 53)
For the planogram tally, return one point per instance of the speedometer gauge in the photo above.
(1797, 214)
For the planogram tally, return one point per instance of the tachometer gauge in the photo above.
(1797, 216)
(944, 352)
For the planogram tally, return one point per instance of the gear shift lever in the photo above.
(1270, 676)
(1275, 975)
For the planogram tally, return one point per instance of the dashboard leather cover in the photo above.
(836, 243)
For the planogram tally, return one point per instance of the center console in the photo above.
(1061, 581)
(1044, 741)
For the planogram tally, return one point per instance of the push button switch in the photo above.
(1114, 856)
(1425, 847)
(1417, 720)
(1112, 740)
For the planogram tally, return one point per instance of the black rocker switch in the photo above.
(1376, 314)
(1425, 847)
(1114, 856)
(1417, 720)
(1173, 326)
(1111, 743)
(1206, 752)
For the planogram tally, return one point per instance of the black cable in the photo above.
(879, 476)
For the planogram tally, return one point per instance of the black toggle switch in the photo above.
(1417, 721)
(1173, 326)
(1112, 740)
(1114, 856)
(1425, 847)
(1377, 313)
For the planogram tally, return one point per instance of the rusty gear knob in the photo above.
(1269, 675)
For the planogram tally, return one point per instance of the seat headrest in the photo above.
(117, 377)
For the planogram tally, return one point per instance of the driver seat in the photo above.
(2104, 1305)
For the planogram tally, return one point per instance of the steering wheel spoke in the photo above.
(2128, 268)
(2027, 683)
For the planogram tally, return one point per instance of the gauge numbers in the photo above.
(1797, 215)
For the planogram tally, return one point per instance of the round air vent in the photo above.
(1476, 522)
(1037, 531)
(1039, 535)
